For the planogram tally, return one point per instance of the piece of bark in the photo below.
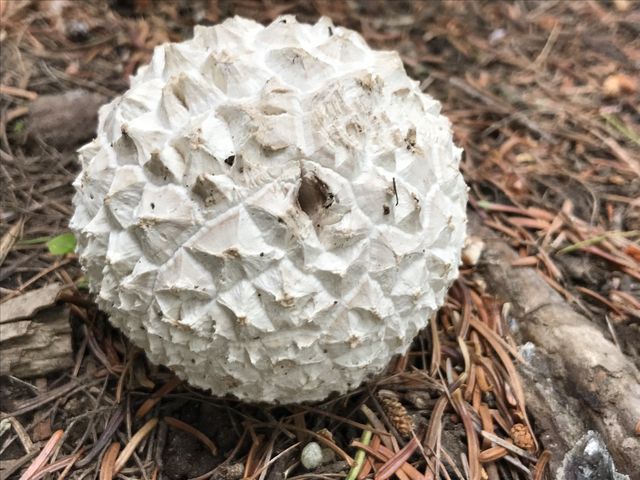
(586, 376)
(65, 120)
(27, 304)
(37, 346)
(35, 334)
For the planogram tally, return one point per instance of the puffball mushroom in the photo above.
(272, 212)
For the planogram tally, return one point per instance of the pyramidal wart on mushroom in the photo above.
(272, 212)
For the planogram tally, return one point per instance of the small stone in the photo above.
(312, 456)
(473, 247)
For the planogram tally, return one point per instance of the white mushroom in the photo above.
(272, 212)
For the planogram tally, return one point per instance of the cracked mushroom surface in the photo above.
(272, 212)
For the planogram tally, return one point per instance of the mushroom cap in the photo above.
(272, 212)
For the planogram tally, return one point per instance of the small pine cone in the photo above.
(522, 437)
(396, 412)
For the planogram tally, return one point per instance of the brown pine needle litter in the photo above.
(43, 456)
(107, 468)
(541, 100)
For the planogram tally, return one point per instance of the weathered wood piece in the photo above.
(576, 378)
(35, 335)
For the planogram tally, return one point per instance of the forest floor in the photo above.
(543, 97)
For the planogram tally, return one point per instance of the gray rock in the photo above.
(589, 459)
